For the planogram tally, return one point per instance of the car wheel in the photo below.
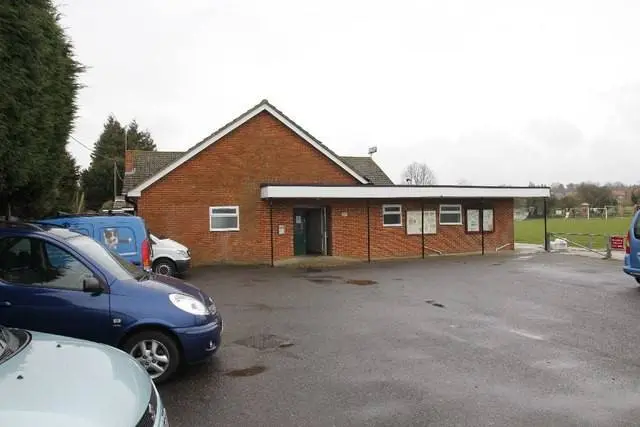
(165, 267)
(638, 280)
(156, 351)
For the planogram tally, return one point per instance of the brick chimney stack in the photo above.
(129, 160)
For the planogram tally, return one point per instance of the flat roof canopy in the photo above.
(398, 192)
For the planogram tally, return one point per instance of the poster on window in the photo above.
(487, 217)
(473, 221)
(414, 222)
(111, 238)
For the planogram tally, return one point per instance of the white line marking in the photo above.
(526, 334)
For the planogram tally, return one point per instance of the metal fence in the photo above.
(592, 242)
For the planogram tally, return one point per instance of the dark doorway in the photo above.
(310, 227)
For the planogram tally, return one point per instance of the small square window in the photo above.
(392, 215)
(224, 218)
(450, 214)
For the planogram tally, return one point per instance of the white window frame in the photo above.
(224, 215)
(385, 207)
(458, 206)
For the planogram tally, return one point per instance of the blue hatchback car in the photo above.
(632, 247)
(57, 281)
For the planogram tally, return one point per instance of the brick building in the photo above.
(262, 189)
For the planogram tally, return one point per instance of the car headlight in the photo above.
(212, 306)
(188, 304)
(183, 253)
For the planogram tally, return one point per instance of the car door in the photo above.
(41, 288)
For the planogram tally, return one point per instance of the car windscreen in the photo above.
(112, 262)
(636, 228)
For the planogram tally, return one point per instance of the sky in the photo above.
(490, 92)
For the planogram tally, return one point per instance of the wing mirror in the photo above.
(92, 285)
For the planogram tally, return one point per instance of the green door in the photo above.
(299, 233)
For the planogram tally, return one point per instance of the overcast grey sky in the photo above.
(492, 91)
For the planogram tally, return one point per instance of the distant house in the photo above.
(262, 189)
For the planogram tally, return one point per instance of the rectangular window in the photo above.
(392, 215)
(450, 214)
(487, 222)
(473, 220)
(224, 218)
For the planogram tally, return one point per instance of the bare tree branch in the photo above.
(418, 174)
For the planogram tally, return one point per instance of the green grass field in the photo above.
(532, 230)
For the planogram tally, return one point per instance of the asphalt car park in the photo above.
(541, 339)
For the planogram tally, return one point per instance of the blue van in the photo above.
(56, 281)
(632, 248)
(124, 234)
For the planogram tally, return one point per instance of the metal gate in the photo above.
(597, 243)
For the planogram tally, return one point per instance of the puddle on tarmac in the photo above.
(319, 280)
(434, 303)
(323, 279)
(265, 342)
(361, 282)
(246, 372)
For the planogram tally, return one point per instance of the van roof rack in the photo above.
(79, 215)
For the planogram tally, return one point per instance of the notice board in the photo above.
(414, 222)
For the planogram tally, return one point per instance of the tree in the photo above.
(595, 195)
(635, 196)
(418, 174)
(38, 81)
(568, 202)
(97, 180)
(68, 188)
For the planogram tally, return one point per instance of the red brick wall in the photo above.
(348, 230)
(349, 233)
(230, 173)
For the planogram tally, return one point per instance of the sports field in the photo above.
(532, 230)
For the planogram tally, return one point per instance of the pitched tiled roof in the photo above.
(146, 164)
(263, 106)
(149, 163)
(366, 167)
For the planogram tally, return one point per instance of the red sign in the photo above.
(617, 242)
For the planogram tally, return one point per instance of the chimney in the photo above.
(129, 158)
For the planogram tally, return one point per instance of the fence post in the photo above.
(590, 241)
(546, 234)
(608, 255)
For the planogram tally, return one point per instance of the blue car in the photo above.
(54, 280)
(121, 233)
(632, 247)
